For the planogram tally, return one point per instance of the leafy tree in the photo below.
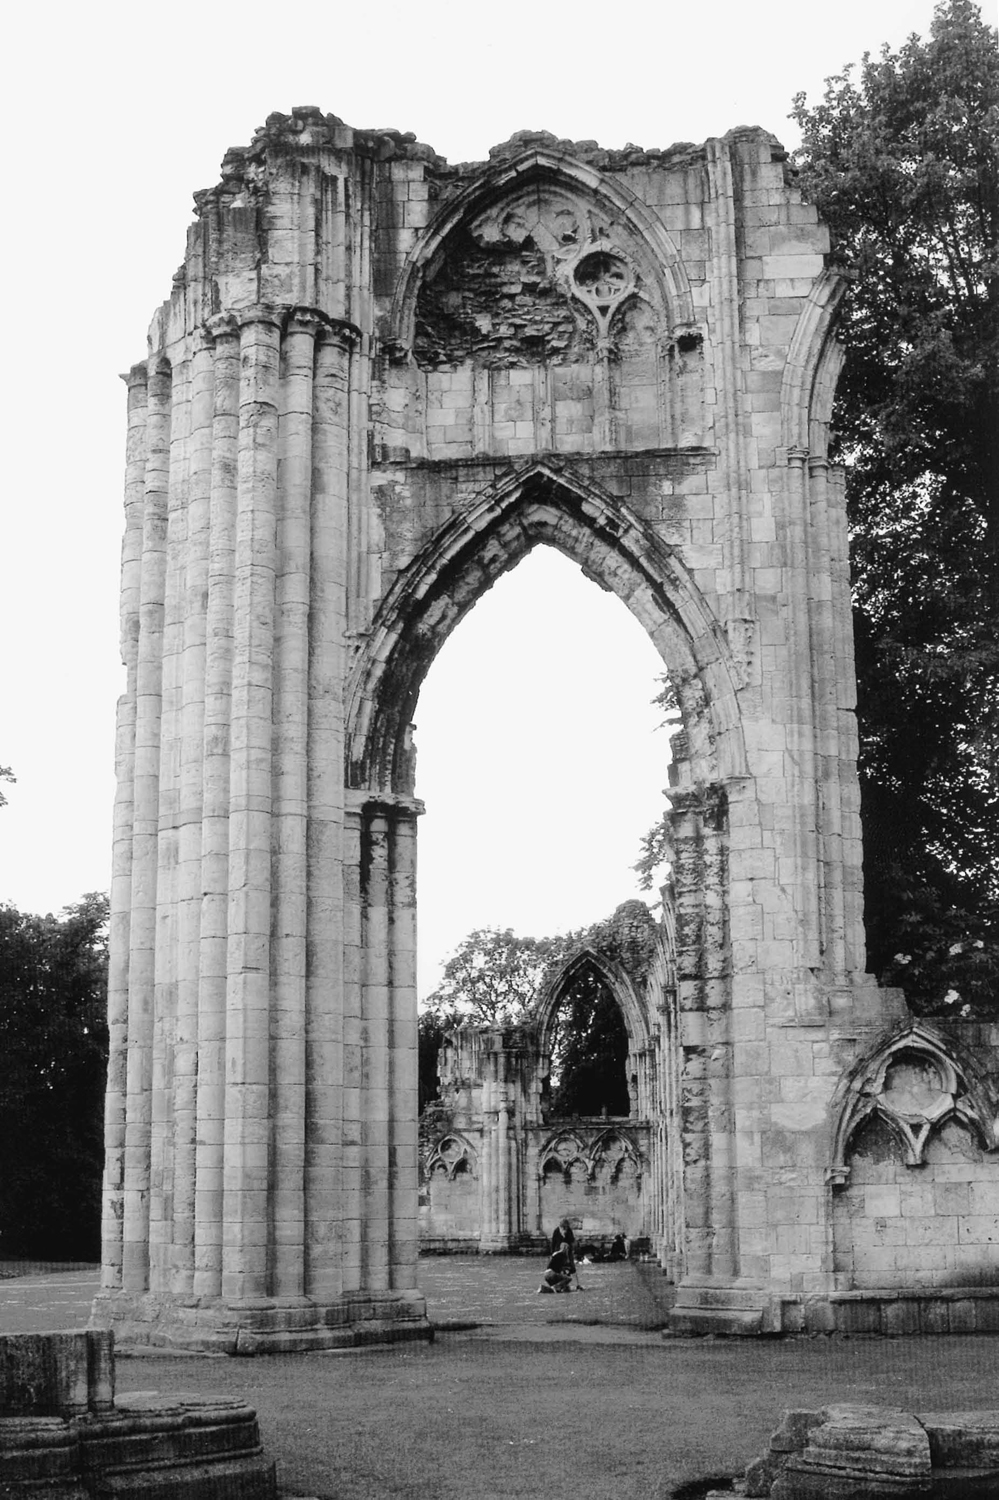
(492, 977)
(53, 1062)
(655, 854)
(6, 774)
(903, 164)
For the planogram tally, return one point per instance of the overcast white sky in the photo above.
(537, 757)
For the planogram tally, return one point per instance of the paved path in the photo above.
(497, 1293)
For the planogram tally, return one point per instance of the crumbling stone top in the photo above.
(308, 126)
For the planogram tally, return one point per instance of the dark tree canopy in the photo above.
(53, 1063)
(902, 161)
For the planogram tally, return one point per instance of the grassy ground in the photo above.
(549, 1396)
(475, 1418)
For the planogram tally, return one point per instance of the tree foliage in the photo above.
(655, 853)
(53, 1063)
(6, 774)
(902, 161)
(493, 976)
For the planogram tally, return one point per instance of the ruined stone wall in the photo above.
(595, 1172)
(379, 380)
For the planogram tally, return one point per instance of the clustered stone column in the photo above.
(261, 1171)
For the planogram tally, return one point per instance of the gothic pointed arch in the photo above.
(549, 169)
(616, 981)
(814, 362)
(913, 1082)
(539, 502)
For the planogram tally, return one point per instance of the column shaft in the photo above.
(163, 1124)
(291, 727)
(375, 1049)
(215, 812)
(403, 1058)
(121, 868)
(247, 1124)
(325, 996)
(189, 815)
(142, 930)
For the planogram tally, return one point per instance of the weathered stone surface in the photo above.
(863, 1453)
(378, 382)
(56, 1374)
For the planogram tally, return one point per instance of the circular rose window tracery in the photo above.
(602, 278)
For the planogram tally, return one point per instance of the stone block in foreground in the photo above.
(64, 1437)
(849, 1452)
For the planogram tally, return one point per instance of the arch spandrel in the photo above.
(537, 505)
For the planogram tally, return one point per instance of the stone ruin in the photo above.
(499, 1166)
(378, 382)
(64, 1436)
(849, 1452)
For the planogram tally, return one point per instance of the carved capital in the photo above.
(797, 457)
(222, 325)
(341, 333)
(307, 320)
(137, 376)
(259, 312)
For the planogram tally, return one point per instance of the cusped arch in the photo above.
(452, 1154)
(537, 503)
(956, 1090)
(814, 360)
(545, 166)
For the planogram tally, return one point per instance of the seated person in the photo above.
(619, 1248)
(558, 1275)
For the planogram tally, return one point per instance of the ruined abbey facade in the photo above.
(378, 382)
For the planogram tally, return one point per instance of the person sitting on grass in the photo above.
(558, 1274)
(564, 1236)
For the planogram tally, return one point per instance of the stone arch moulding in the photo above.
(537, 503)
(814, 361)
(617, 982)
(960, 1093)
(555, 168)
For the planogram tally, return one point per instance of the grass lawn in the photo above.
(475, 1418)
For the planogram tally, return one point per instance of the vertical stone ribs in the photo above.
(226, 1108)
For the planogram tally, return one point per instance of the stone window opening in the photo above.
(588, 1070)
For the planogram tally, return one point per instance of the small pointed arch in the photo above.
(552, 167)
(615, 1144)
(913, 1082)
(539, 502)
(563, 1150)
(452, 1154)
(614, 979)
(814, 361)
